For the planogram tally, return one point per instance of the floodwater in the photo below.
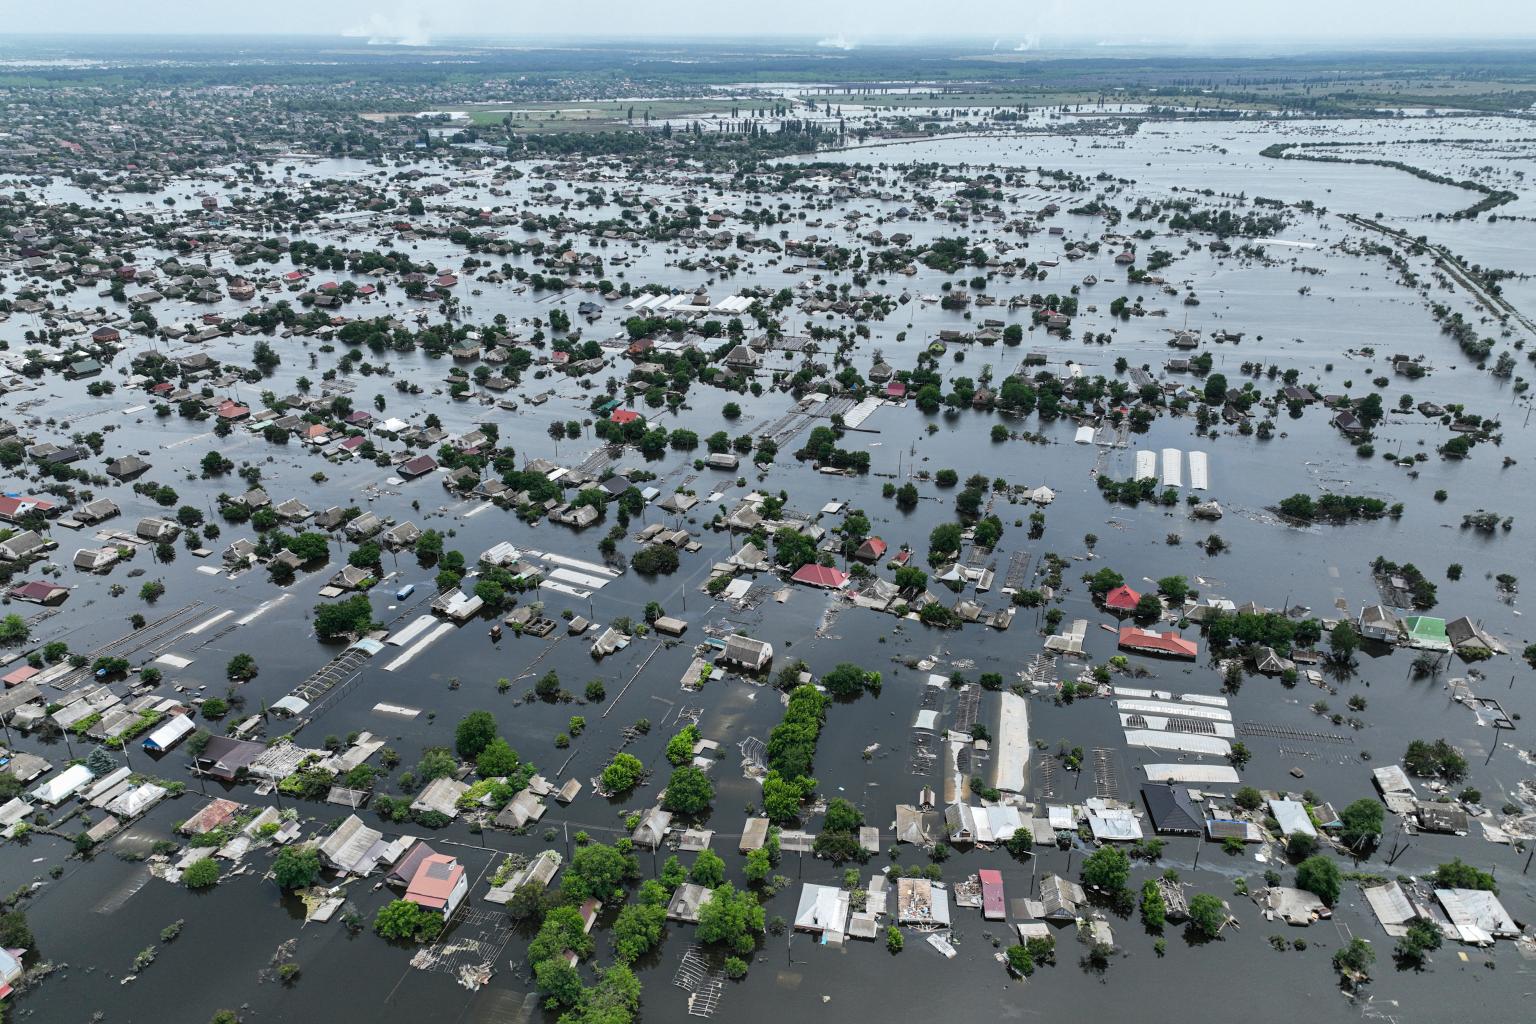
(93, 919)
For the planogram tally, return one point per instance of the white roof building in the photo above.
(823, 909)
(63, 785)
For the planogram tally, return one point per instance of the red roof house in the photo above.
(623, 416)
(421, 465)
(39, 592)
(14, 506)
(872, 550)
(19, 676)
(895, 389)
(1170, 643)
(813, 575)
(1122, 599)
(439, 884)
(992, 905)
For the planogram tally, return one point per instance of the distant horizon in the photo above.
(918, 41)
(1000, 25)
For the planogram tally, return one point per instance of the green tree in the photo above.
(708, 870)
(689, 791)
(1320, 876)
(436, 763)
(597, 871)
(1423, 937)
(15, 932)
(343, 618)
(296, 867)
(1458, 875)
(496, 760)
(1207, 914)
(759, 865)
(1439, 757)
(848, 680)
(1154, 909)
(474, 733)
(638, 929)
(782, 797)
(680, 747)
(14, 629)
(1106, 869)
(731, 918)
(842, 816)
(562, 929)
(558, 981)
(1361, 825)
(623, 773)
(1343, 641)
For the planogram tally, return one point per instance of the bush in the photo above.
(202, 874)
(241, 667)
(655, 560)
(1355, 959)
(1458, 875)
(1428, 759)
(343, 618)
(402, 920)
(1423, 937)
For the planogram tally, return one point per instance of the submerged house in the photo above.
(747, 652)
(439, 884)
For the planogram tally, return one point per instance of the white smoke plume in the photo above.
(406, 25)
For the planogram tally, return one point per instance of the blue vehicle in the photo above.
(405, 592)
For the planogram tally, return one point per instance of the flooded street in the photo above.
(1338, 299)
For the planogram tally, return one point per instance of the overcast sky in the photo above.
(1008, 24)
